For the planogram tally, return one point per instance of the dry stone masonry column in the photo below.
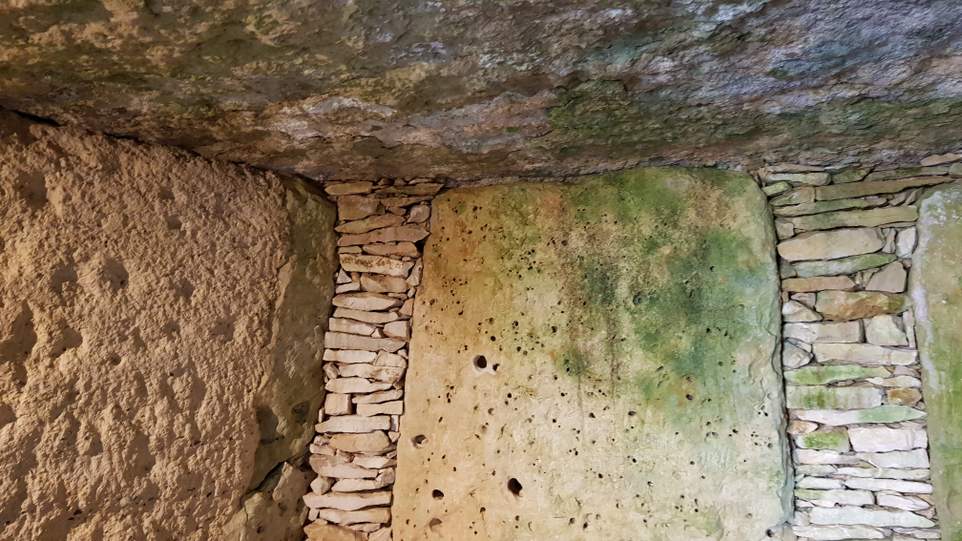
(354, 453)
(851, 367)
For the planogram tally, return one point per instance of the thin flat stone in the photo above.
(403, 233)
(850, 515)
(905, 503)
(824, 374)
(350, 326)
(796, 197)
(807, 285)
(775, 189)
(894, 485)
(348, 501)
(337, 340)
(856, 218)
(811, 179)
(848, 265)
(378, 397)
(362, 315)
(354, 386)
(917, 458)
(348, 188)
(365, 301)
(349, 356)
(795, 311)
(377, 515)
(864, 354)
(835, 440)
(375, 264)
(380, 283)
(387, 374)
(939, 159)
(794, 356)
(819, 207)
(370, 443)
(337, 404)
(885, 473)
(354, 424)
(850, 331)
(395, 407)
(883, 439)
(834, 244)
(369, 224)
(399, 249)
(859, 189)
(849, 305)
(842, 398)
(831, 497)
(837, 533)
(906, 172)
(817, 457)
(877, 415)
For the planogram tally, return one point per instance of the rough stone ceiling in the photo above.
(472, 89)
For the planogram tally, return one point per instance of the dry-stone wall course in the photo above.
(365, 358)
(853, 378)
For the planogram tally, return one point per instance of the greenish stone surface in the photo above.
(836, 440)
(629, 326)
(843, 398)
(845, 265)
(937, 292)
(820, 375)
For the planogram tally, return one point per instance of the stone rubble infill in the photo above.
(852, 373)
(354, 453)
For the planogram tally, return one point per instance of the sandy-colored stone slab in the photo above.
(937, 293)
(595, 361)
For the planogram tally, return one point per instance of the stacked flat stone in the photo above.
(852, 373)
(354, 454)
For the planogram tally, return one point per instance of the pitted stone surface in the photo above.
(572, 375)
(159, 341)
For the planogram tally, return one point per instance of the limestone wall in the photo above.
(160, 322)
(858, 420)
(595, 361)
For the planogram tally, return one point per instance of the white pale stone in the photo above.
(851, 417)
(832, 244)
(348, 501)
(384, 408)
(819, 483)
(383, 479)
(906, 242)
(337, 404)
(837, 533)
(355, 424)
(918, 458)
(885, 473)
(868, 354)
(830, 498)
(882, 439)
(842, 332)
(915, 533)
(850, 515)
(378, 397)
(338, 340)
(897, 381)
(350, 326)
(885, 330)
(370, 317)
(366, 301)
(814, 456)
(375, 515)
(894, 485)
(349, 355)
(374, 462)
(384, 534)
(397, 329)
(354, 386)
(794, 356)
(905, 503)
(890, 279)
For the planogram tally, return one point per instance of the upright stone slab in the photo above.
(937, 292)
(594, 361)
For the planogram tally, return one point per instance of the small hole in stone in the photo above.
(514, 486)
(437, 494)
(419, 440)
(434, 523)
(480, 362)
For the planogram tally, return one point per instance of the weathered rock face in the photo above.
(937, 291)
(594, 361)
(158, 341)
(469, 89)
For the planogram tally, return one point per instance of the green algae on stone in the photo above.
(937, 292)
(633, 319)
(823, 374)
(836, 440)
(843, 398)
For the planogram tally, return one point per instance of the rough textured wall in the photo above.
(937, 291)
(464, 88)
(595, 361)
(160, 323)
